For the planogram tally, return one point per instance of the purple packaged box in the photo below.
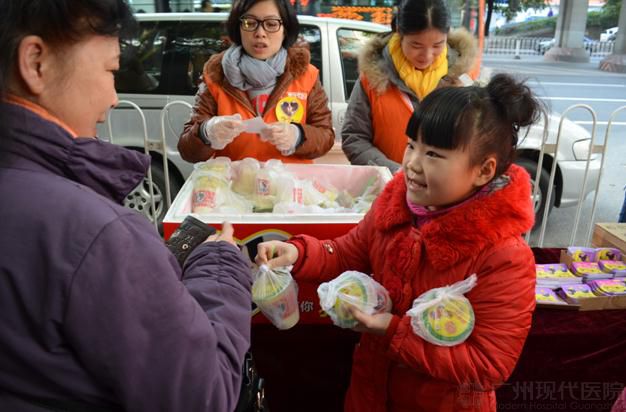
(582, 254)
(547, 295)
(586, 268)
(552, 270)
(612, 266)
(608, 287)
(608, 253)
(572, 293)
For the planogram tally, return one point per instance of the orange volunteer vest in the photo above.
(390, 113)
(294, 100)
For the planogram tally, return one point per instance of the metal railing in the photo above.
(533, 46)
(146, 146)
(592, 149)
(150, 147)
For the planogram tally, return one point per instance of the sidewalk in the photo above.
(537, 62)
(490, 59)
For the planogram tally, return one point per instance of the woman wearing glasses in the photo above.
(260, 75)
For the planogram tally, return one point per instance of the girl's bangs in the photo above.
(436, 120)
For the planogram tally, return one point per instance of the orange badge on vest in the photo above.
(289, 109)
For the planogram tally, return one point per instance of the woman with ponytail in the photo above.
(458, 207)
(397, 70)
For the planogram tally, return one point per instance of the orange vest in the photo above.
(250, 144)
(390, 113)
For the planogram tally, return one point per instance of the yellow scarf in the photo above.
(421, 82)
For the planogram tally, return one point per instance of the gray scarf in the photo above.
(245, 72)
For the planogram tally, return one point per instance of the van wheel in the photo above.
(139, 198)
(539, 201)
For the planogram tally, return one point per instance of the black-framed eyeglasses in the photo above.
(252, 24)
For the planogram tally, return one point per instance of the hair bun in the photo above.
(515, 100)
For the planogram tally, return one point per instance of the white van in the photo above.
(606, 35)
(164, 63)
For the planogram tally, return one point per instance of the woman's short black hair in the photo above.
(485, 120)
(413, 16)
(59, 23)
(291, 26)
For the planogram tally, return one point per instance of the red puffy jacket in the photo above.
(401, 371)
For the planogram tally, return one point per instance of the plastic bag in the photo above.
(264, 197)
(212, 194)
(244, 178)
(276, 294)
(218, 165)
(232, 203)
(352, 289)
(289, 189)
(444, 316)
(208, 188)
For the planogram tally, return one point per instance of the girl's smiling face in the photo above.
(438, 178)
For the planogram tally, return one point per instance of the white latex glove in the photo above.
(222, 130)
(282, 135)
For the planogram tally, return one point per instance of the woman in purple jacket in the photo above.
(95, 313)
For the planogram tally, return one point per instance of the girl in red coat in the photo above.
(459, 206)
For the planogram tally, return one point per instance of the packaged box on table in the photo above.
(253, 228)
(614, 284)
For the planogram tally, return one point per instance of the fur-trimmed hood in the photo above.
(298, 59)
(468, 228)
(462, 52)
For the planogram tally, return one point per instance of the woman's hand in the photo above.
(282, 135)
(222, 130)
(276, 254)
(375, 324)
(225, 235)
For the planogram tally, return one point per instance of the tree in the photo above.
(511, 7)
(612, 7)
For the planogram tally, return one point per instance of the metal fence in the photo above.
(533, 46)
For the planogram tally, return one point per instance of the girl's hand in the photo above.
(225, 235)
(276, 254)
(375, 324)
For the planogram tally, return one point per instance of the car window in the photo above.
(141, 60)
(168, 57)
(196, 42)
(311, 38)
(350, 43)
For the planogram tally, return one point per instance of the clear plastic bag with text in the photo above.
(276, 294)
(356, 289)
(444, 316)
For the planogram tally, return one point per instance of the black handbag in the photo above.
(252, 395)
(183, 241)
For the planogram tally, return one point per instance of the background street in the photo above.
(562, 85)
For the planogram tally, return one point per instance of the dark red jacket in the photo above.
(401, 371)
